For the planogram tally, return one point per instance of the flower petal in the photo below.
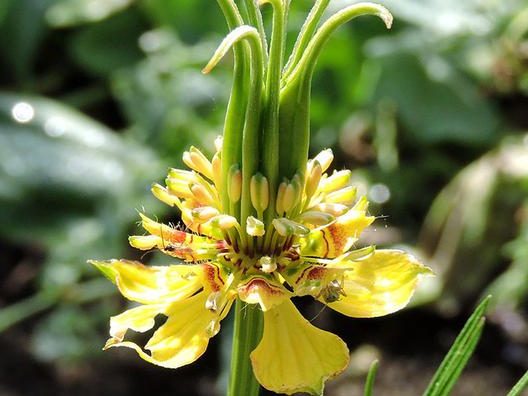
(139, 319)
(338, 237)
(294, 356)
(185, 335)
(181, 340)
(380, 284)
(259, 290)
(150, 285)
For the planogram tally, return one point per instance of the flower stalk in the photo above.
(246, 336)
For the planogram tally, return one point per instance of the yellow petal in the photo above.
(181, 340)
(259, 290)
(379, 284)
(294, 356)
(145, 242)
(139, 319)
(338, 237)
(166, 233)
(185, 335)
(183, 245)
(149, 285)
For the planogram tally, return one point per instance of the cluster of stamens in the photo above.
(258, 244)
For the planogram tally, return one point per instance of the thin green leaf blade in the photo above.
(458, 365)
(371, 377)
(520, 386)
(459, 354)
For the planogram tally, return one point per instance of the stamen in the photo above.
(267, 264)
(313, 179)
(316, 218)
(324, 158)
(234, 183)
(164, 196)
(217, 169)
(279, 203)
(198, 162)
(204, 213)
(219, 142)
(345, 196)
(335, 182)
(259, 190)
(201, 194)
(255, 227)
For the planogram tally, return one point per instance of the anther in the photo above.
(204, 213)
(224, 222)
(286, 227)
(316, 218)
(345, 196)
(259, 189)
(178, 188)
(164, 196)
(198, 162)
(267, 264)
(279, 203)
(324, 158)
(219, 142)
(313, 179)
(234, 183)
(337, 181)
(201, 194)
(217, 168)
(255, 227)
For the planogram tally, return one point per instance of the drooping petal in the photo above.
(379, 284)
(139, 319)
(181, 340)
(338, 237)
(294, 356)
(185, 335)
(150, 285)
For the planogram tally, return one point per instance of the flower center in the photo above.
(259, 256)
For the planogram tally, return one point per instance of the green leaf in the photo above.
(58, 159)
(185, 16)
(459, 354)
(519, 386)
(4, 8)
(371, 377)
(466, 116)
(22, 29)
(109, 45)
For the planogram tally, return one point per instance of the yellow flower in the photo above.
(308, 249)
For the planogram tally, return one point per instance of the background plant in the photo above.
(436, 104)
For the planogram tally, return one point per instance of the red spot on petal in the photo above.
(212, 277)
(259, 285)
(316, 273)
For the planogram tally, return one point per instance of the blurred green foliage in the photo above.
(99, 97)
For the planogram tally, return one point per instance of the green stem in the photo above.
(306, 64)
(234, 121)
(271, 122)
(254, 17)
(246, 335)
(250, 137)
(306, 34)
